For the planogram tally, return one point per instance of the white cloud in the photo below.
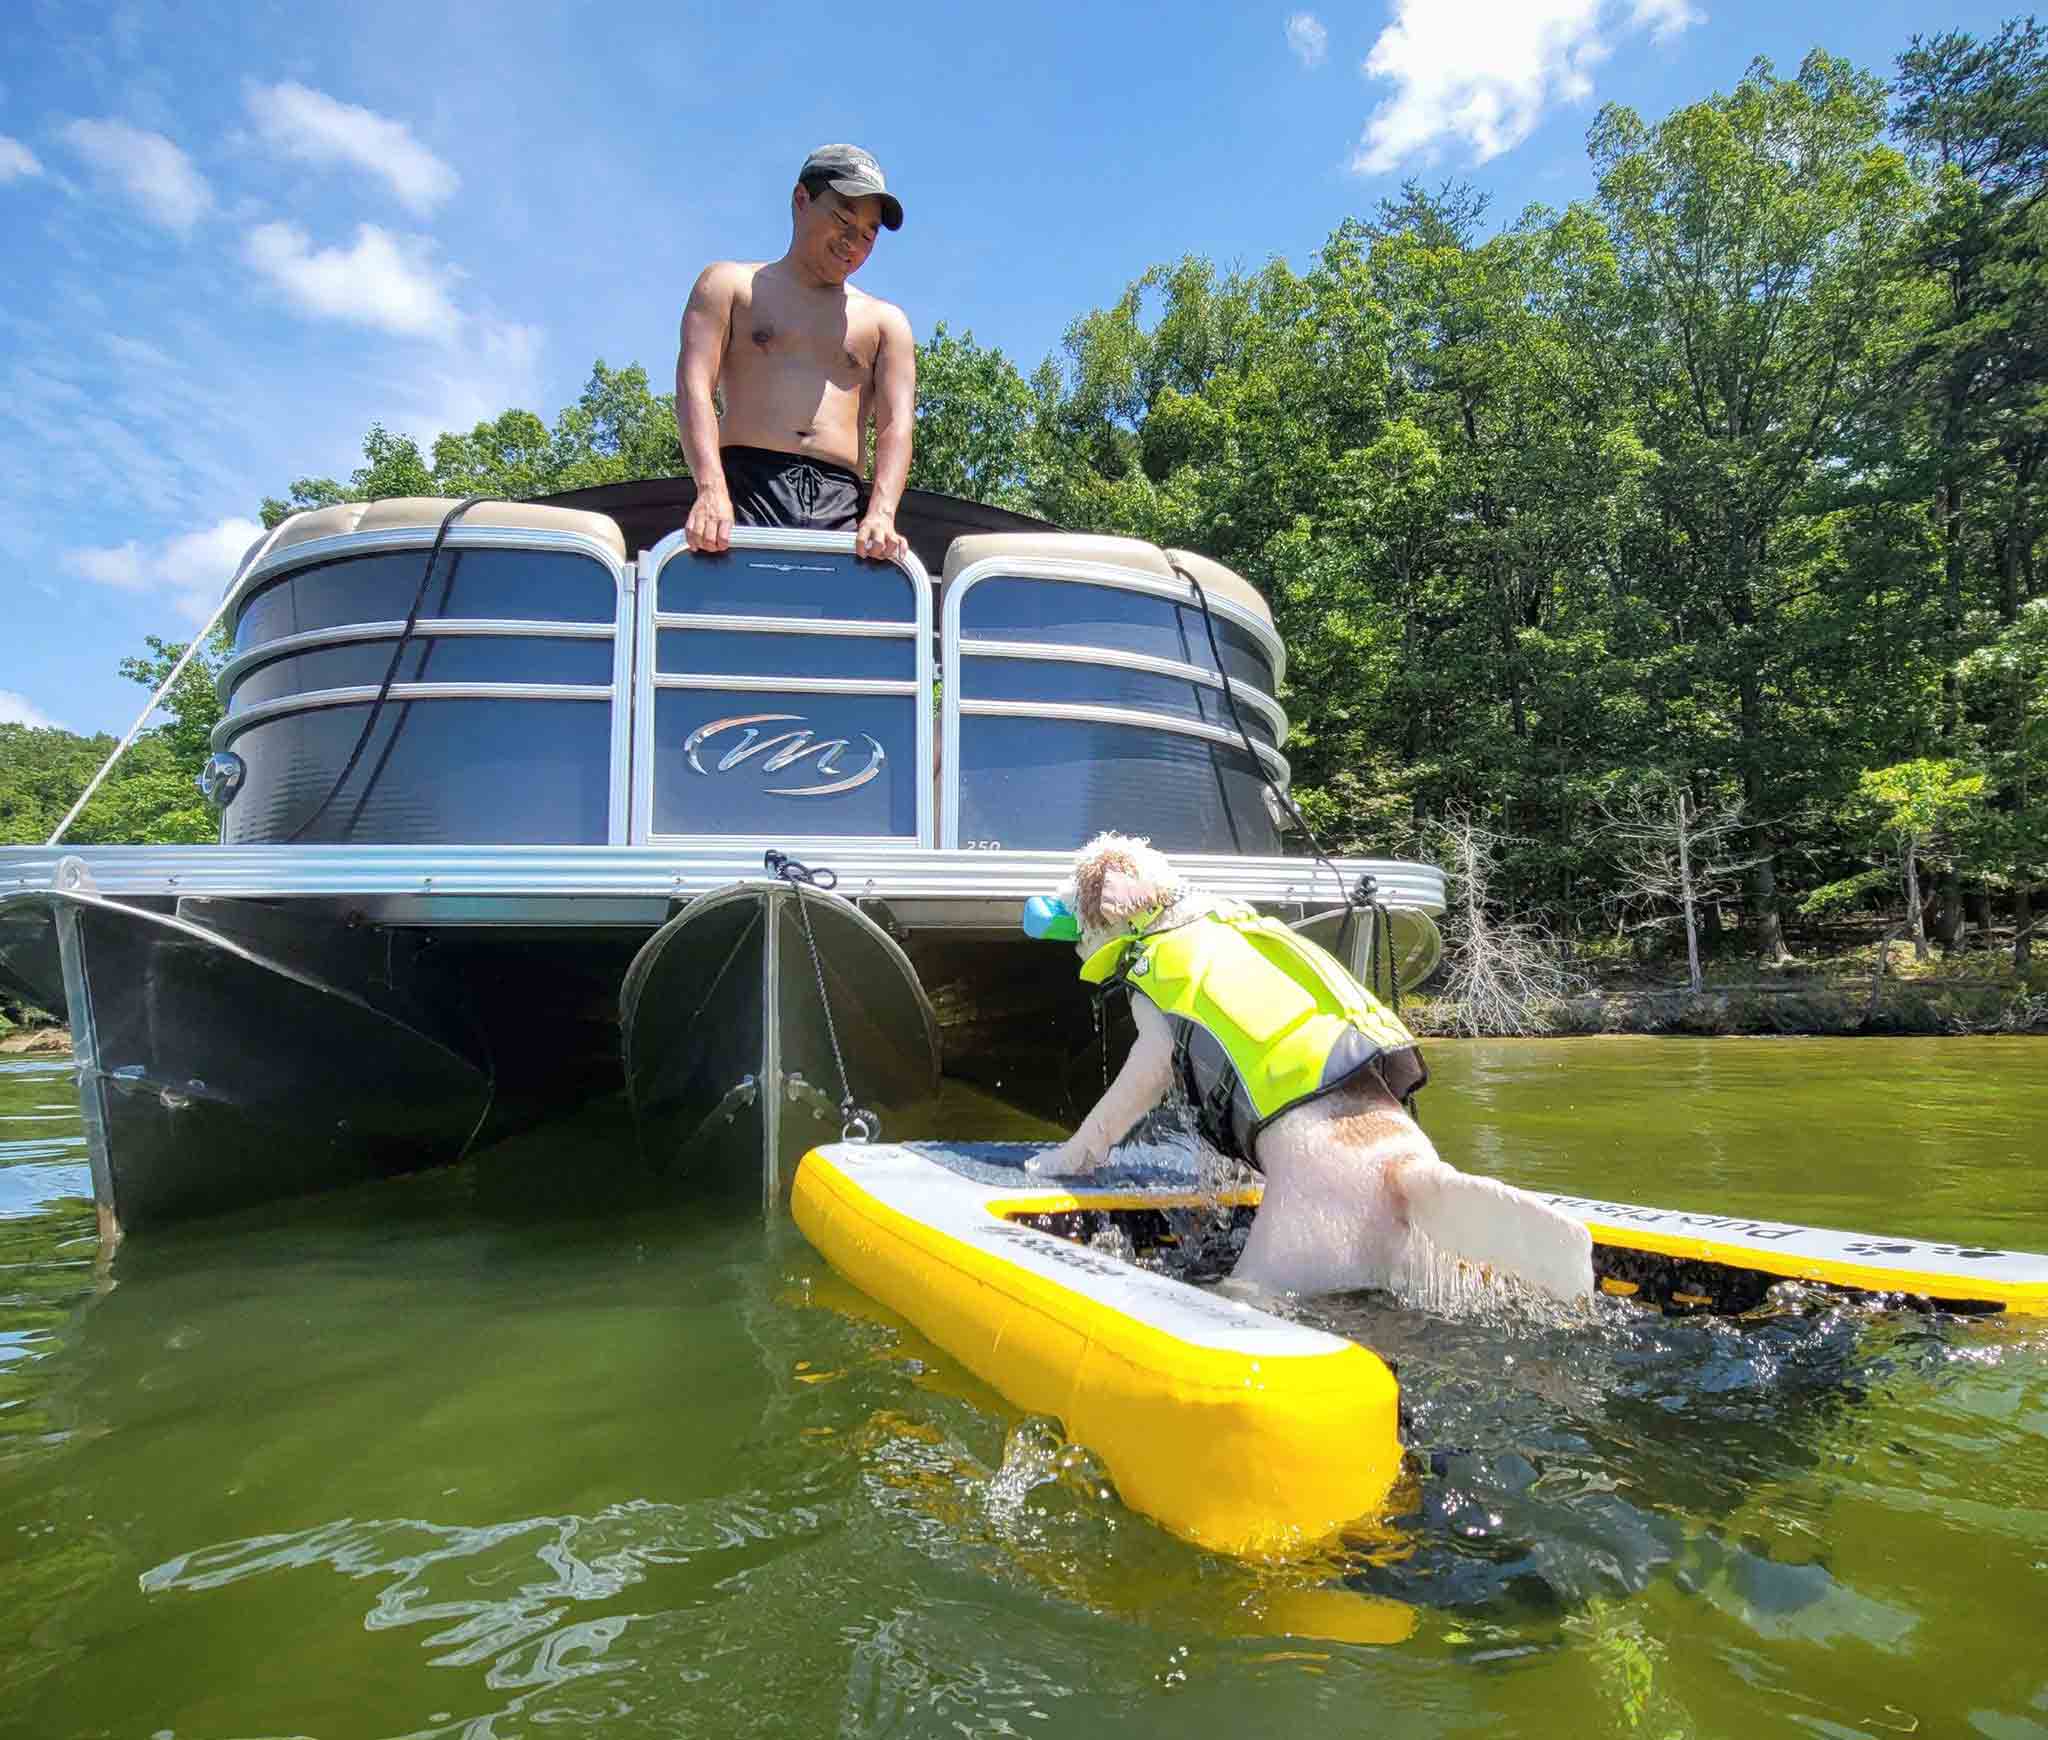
(386, 281)
(1665, 17)
(497, 366)
(478, 364)
(1484, 71)
(18, 709)
(154, 172)
(137, 352)
(16, 159)
(1307, 37)
(315, 128)
(192, 568)
(85, 422)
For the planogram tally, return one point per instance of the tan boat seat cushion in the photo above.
(1132, 554)
(425, 512)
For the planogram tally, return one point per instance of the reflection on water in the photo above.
(535, 1444)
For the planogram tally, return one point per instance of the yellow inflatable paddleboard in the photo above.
(1689, 1258)
(1236, 1429)
(1233, 1428)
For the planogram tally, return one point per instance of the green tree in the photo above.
(42, 771)
(617, 431)
(194, 702)
(151, 796)
(1920, 805)
(1752, 233)
(1974, 429)
(2008, 677)
(392, 466)
(974, 423)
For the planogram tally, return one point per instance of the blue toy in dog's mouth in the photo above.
(1050, 919)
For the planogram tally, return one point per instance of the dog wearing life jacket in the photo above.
(1292, 1065)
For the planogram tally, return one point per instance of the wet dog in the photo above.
(1355, 1195)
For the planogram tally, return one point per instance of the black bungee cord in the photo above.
(405, 638)
(1366, 895)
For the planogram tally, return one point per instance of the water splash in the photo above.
(1432, 1279)
(1037, 1455)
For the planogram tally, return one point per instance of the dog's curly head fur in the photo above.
(1117, 880)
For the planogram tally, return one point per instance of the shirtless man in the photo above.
(804, 360)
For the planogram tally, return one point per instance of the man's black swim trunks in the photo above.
(788, 489)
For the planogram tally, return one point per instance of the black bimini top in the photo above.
(648, 510)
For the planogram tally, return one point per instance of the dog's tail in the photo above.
(1482, 1221)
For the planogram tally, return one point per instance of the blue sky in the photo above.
(236, 233)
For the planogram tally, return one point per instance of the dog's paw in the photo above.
(1068, 1160)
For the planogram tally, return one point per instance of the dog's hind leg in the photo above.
(1481, 1220)
(1139, 1086)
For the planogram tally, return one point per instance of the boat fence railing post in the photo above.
(256, 554)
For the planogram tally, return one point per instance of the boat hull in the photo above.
(735, 1029)
(212, 1075)
(498, 971)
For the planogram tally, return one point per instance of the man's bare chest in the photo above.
(833, 343)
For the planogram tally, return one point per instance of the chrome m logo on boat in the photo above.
(784, 749)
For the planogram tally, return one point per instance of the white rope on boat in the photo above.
(255, 555)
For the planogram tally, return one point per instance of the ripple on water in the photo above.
(42, 1150)
(382, 1461)
(1558, 1470)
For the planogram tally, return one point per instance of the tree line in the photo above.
(1716, 495)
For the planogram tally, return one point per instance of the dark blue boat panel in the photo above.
(446, 659)
(433, 773)
(1046, 784)
(513, 585)
(1006, 679)
(787, 764)
(716, 652)
(800, 583)
(1073, 613)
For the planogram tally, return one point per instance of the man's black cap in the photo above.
(851, 171)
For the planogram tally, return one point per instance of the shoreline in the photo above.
(1787, 1014)
(1814, 1008)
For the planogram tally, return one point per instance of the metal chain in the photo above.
(857, 1123)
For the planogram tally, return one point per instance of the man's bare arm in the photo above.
(707, 321)
(895, 421)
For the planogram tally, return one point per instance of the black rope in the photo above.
(798, 874)
(856, 1123)
(405, 635)
(419, 675)
(1245, 737)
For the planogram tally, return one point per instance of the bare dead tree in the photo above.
(1504, 974)
(1674, 860)
(1883, 966)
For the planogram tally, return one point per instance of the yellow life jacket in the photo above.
(1264, 1019)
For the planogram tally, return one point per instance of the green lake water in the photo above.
(523, 1448)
